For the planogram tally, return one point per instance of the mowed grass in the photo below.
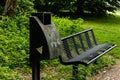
(106, 29)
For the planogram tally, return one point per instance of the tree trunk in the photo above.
(10, 7)
(80, 7)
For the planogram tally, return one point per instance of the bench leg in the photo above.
(36, 71)
(75, 71)
(35, 63)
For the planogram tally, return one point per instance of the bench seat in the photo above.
(90, 55)
(82, 48)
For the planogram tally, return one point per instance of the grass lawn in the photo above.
(107, 29)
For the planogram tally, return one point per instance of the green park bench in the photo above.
(82, 48)
(45, 44)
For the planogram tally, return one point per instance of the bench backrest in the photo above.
(78, 43)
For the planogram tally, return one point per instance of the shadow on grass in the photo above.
(110, 18)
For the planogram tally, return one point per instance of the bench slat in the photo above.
(81, 41)
(66, 48)
(88, 40)
(75, 45)
(93, 37)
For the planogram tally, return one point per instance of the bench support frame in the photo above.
(36, 70)
(75, 71)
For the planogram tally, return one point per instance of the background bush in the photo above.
(14, 41)
(66, 26)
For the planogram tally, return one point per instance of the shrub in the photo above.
(66, 26)
(15, 39)
(25, 6)
(7, 74)
(14, 43)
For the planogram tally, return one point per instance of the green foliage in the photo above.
(25, 6)
(105, 61)
(79, 6)
(14, 43)
(53, 5)
(86, 71)
(101, 6)
(66, 26)
(7, 74)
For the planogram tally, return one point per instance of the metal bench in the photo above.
(82, 48)
(45, 44)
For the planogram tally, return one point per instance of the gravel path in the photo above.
(113, 73)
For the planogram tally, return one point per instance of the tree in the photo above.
(78, 6)
(10, 7)
(2, 4)
(101, 6)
